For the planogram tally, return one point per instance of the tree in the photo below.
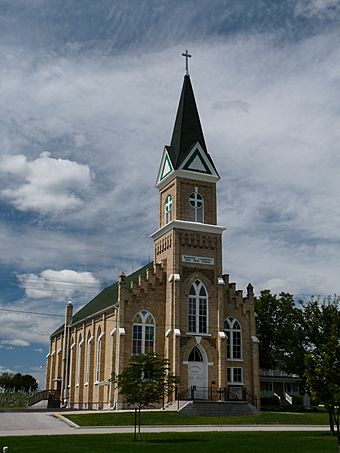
(321, 320)
(279, 325)
(6, 381)
(322, 358)
(323, 378)
(29, 383)
(146, 380)
(18, 382)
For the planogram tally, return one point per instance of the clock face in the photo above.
(168, 203)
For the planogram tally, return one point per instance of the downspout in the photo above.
(66, 352)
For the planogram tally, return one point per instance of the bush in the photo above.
(298, 400)
(14, 399)
(270, 401)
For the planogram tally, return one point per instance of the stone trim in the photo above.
(186, 225)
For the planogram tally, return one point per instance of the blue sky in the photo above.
(89, 92)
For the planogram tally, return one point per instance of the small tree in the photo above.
(146, 380)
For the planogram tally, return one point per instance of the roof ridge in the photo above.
(106, 297)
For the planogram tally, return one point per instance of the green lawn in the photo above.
(254, 442)
(174, 418)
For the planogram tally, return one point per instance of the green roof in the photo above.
(187, 130)
(105, 299)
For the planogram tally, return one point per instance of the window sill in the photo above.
(86, 384)
(96, 382)
(234, 360)
(77, 385)
(194, 334)
(235, 383)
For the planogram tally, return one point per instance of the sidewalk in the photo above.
(45, 424)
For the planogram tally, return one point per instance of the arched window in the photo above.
(143, 333)
(198, 308)
(79, 354)
(234, 339)
(196, 207)
(98, 354)
(70, 376)
(168, 209)
(195, 355)
(88, 357)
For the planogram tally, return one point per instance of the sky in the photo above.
(88, 96)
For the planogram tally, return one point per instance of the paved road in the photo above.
(43, 423)
(31, 423)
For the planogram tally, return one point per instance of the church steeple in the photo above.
(187, 152)
(187, 176)
(187, 130)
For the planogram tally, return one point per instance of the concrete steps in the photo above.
(175, 406)
(220, 408)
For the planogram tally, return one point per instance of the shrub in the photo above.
(270, 401)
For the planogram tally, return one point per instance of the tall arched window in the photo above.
(79, 356)
(196, 207)
(198, 308)
(88, 357)
(168, 209)
(143, 333)
(58, 365)
(70, 376)
(98, 354)
(234, 339)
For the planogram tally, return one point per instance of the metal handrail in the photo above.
(214, 393)
(43, 395)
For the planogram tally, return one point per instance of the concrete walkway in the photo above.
(44, 423)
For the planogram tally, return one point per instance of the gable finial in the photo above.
(187, 56)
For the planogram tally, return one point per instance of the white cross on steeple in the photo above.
(187, 56)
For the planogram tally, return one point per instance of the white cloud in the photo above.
(4, 369)
(40, 350)
(312, 8)
(45, 184)
(15, 342)
(58, 285)
(18, 329)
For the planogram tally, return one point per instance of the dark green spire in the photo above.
(187, 130)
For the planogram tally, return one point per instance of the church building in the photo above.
(180, 306)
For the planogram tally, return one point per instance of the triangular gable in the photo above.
(198, 162)
(166, 166)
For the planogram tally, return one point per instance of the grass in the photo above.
(232, 442)
(174, 418)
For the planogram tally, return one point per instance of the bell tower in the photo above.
(189, 244)
(186, 182)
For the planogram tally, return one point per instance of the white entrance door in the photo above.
(198, 376)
